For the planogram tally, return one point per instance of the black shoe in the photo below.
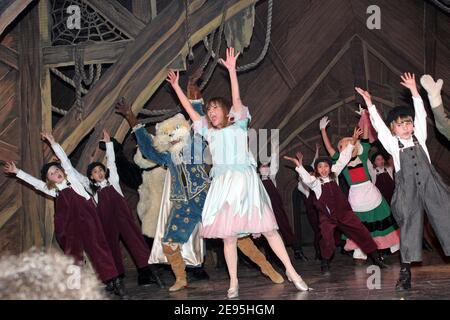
(119, 289)
(148, 276)
(109, 288)
(404, 281)
(299, 255)
(346, 253)
(196, 274)
(325, 268)
(377, 259)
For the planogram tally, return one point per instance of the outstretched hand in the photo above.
(46, 135)
(357, 132)
(10, 168)
(361, 111)
(123, 108)
(230, 62)
(106, 136)
(409, 81)
(173, 78)
(297, 160)
(432, 87)
(366, 96)
(323, 123)
(317, 147)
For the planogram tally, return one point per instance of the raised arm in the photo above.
(434, 96)
(384, 134)
(62, 156)
(420, 119)
(10, 168)
(110, 158)
(323, 130)
(230, 64)
(346, 154)
(316, 155)
(173, 78)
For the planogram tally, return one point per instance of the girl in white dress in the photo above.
(237, 203)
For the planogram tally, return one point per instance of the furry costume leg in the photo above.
(248, 248)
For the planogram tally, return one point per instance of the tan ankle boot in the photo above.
(248, 248)
(178, 266)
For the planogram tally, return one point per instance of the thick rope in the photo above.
(67, 80)
(216, 56)
(266, 42)
(188, 30)
(59, 111)
(157, 112)
(209, 52)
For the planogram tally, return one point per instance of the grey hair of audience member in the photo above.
(46, 275)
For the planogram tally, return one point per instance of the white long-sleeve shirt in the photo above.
(73, 176)
(113, 175)
(301, 186)
(390, 142)
(314, 183)
(378, 170)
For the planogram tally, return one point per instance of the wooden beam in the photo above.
(141, 69)
(120, 17)
(429, 33)
(358, 63)
(99, 52)
(46, 103)
(305, 143)
(309, 91)
(9, 10)
(142, 9)
(274, 55)
(9, 57)
(316, 117)
(45, 40)
(29, 96)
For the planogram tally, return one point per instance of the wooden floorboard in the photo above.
(431, 281)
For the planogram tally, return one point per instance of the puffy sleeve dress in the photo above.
(237, 203)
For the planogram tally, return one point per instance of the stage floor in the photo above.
(430, 281)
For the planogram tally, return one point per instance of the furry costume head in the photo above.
(172, 134)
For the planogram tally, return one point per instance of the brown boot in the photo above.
(248, 248)
(178, 266)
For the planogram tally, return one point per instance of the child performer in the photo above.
(77, 225)
(311, 211)
(418, 186)
(382, 175)
(237, 203)
(334, 209)
(116, 216)
(365, 199)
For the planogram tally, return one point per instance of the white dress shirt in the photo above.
(390, 142)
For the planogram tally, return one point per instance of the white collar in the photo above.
(102, 184)
(63, 185)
